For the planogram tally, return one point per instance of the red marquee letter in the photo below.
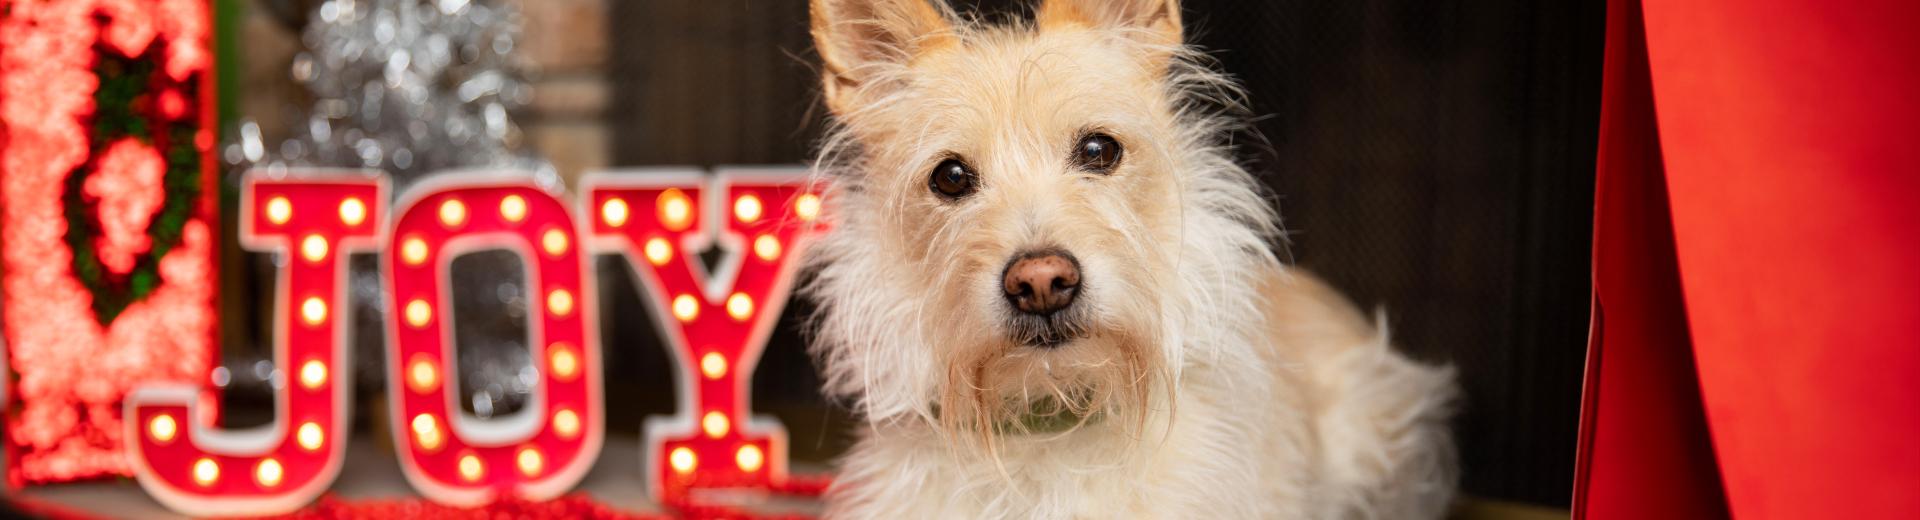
(195, 468)
(545, 449)
(716, 325)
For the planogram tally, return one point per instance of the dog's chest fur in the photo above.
(1219, 459)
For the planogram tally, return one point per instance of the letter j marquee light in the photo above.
(193, 467)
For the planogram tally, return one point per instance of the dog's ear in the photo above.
(862, 42)
(1155, 22)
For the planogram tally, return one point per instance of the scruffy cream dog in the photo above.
(1051, 293)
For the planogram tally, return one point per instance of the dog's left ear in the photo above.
(1154, 22)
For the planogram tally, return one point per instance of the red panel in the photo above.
(1644, 447)
(1789, 135)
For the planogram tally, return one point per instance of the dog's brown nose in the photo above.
(1042, 282)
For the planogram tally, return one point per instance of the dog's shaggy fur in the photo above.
(1203, 379)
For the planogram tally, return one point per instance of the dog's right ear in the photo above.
(864, 43)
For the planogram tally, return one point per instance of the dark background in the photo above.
(1431, 157)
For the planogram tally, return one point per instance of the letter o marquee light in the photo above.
(194, 468)
(543, 450)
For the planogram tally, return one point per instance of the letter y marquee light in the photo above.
(543, 450)
(314, 220)
(716, 324)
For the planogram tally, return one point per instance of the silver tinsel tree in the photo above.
(421, 88)
(412, 87)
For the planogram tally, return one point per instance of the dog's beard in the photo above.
(1048, 331)
(1010, 388)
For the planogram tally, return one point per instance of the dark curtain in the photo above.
(1433, 158)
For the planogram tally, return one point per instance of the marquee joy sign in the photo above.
(717, 324)
(108, 240)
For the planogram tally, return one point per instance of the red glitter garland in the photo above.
(574, 506)
(570, 506)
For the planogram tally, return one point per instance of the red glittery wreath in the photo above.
(133, 150)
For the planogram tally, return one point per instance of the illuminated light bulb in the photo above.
(310, 436)
(414, 251)
(313, 374)
(686, 308)
(658, 251)
(470, 468)
(513, 208)
(615, 212)
(554, 242)
(560, 302)
(453, 213)
(747, 208)
(422, 376)
(172, 104)
(426, 432)
(682, 460)
(206, 472)
(807, 207)
(313, 248)
(419, 313)
(268, 473)
(739, 306)
(766, 247)
(749, 458)
(162, 428)
(715, 424)
(352, 211)
(564, 363)
(314, 311)
(713, 365)
(566, 423)
(676, 210)
(279, 211)
(529, 461)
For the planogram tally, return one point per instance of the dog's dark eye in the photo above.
(1097, 153)
(952, 179)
